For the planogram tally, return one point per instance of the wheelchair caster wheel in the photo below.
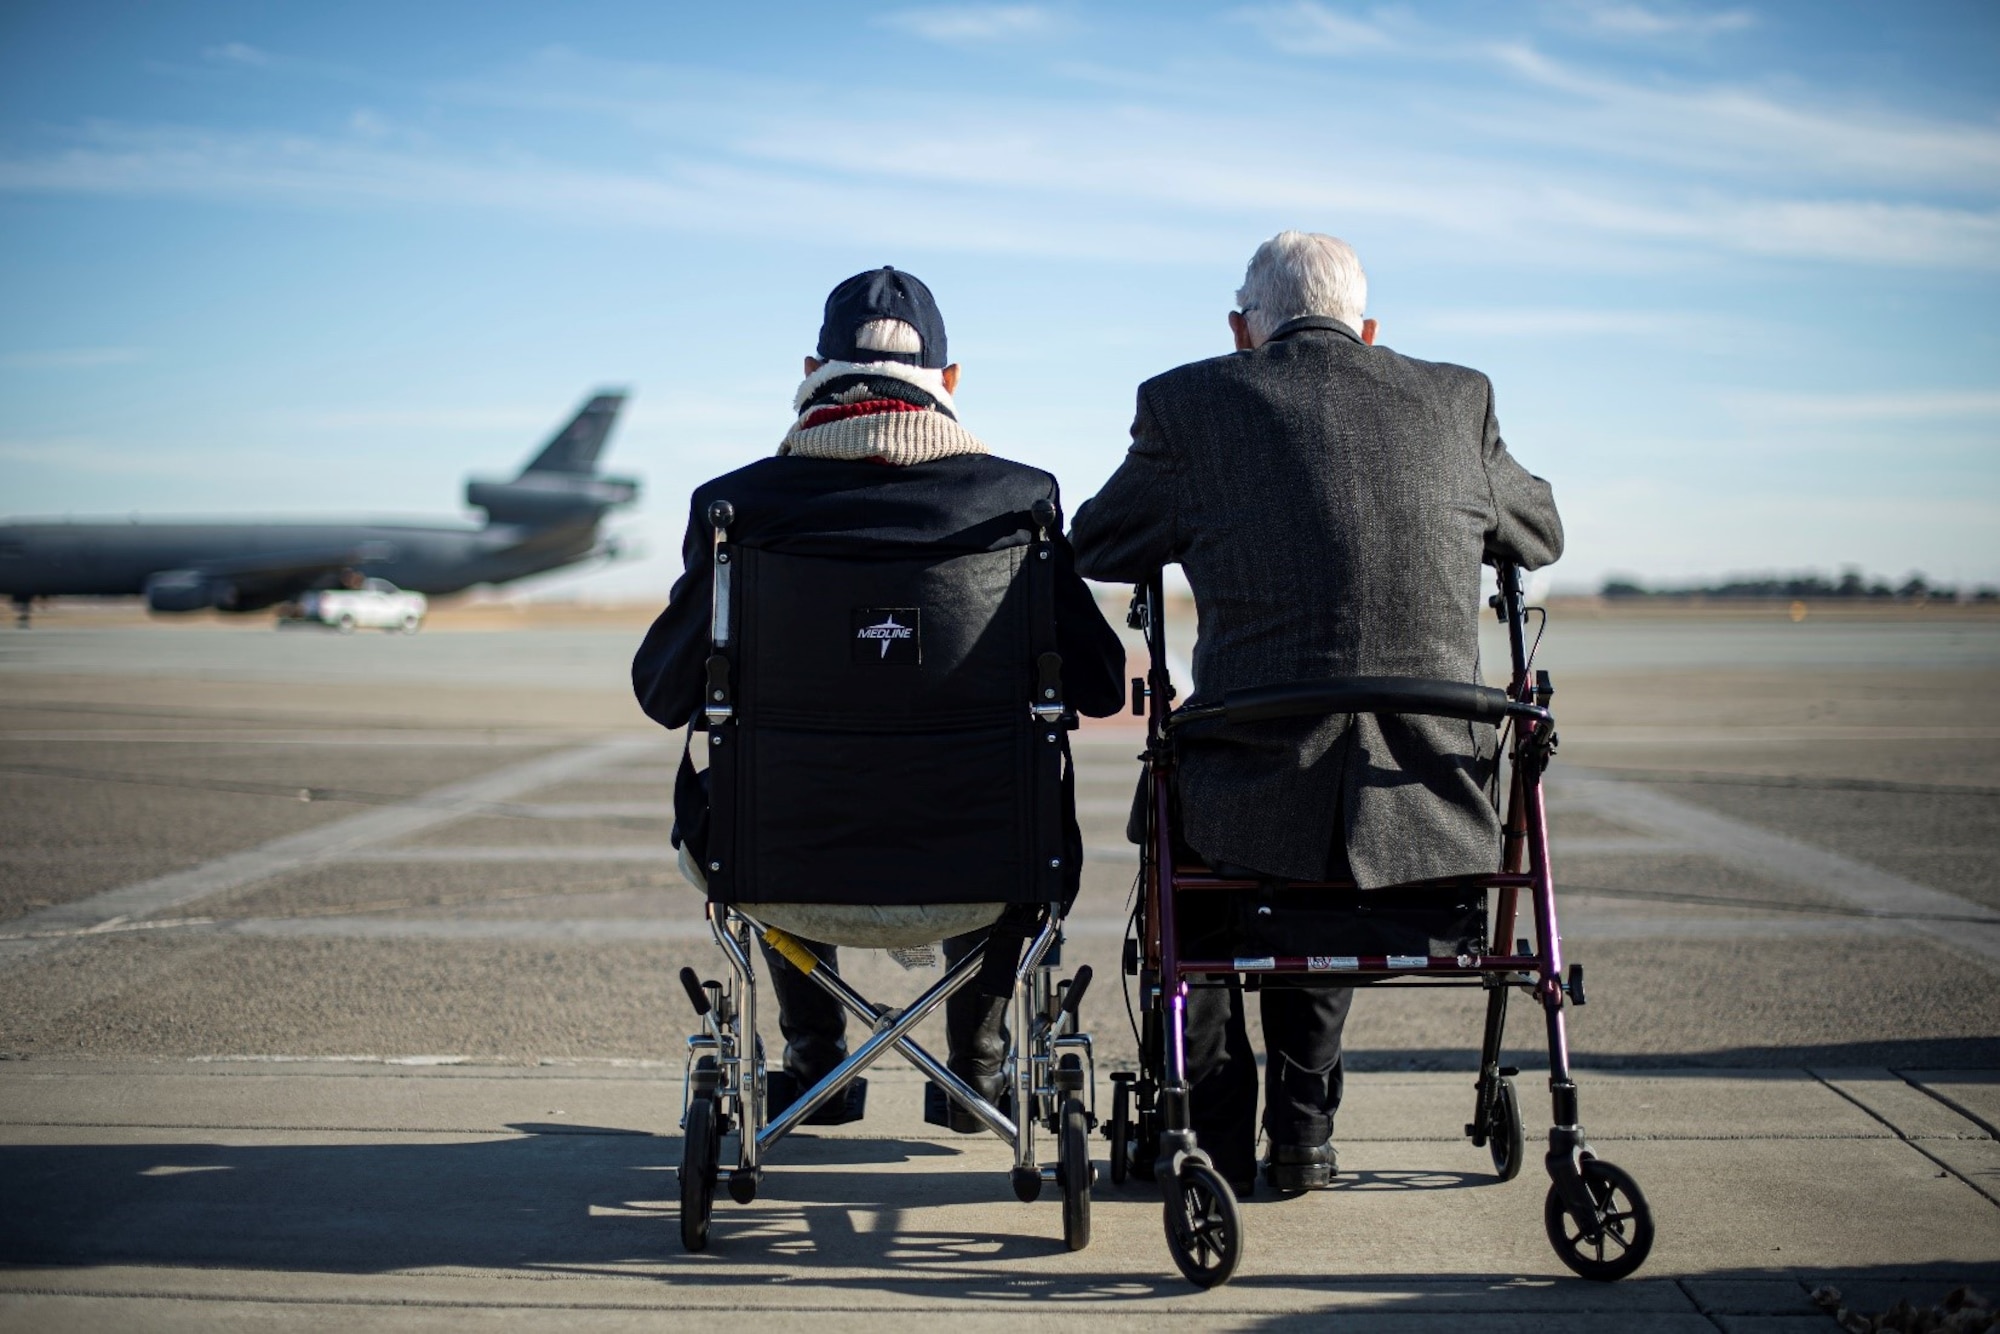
(742, 1186)
(1027, 1183)
(701, 1147)
(1504, 1139)
(1073, 1172)
(1622, 1236)
(1204, 1229)
(1119, 1132)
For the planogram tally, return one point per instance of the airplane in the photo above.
(543, 519)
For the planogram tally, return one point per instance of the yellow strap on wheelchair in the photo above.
(798, 955)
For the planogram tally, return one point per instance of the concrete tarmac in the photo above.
(337, 978)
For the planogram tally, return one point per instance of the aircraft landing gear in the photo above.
(22, 605)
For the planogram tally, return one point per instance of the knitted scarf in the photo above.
(880, 410)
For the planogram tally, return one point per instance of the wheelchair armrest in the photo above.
(1362, 694)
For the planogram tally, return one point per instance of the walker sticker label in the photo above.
(1331, 963)
(1409, 961)
(1262, 965)
(889, 635)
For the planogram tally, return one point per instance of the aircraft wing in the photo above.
(294, 568)
(250, 582)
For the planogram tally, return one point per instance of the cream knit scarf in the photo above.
(877, 410)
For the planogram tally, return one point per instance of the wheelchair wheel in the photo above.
(1504, 1139)
(1624, 1234)
(1119, 1132)
(701, 1149)
(1073, 1172)
(1204, 1229)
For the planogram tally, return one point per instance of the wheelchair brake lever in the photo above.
(1073, 993)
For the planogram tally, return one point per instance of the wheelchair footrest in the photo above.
(940, 1110)
(782, 1088)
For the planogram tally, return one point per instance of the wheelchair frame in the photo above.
(1596, 1216)
(1050, 1067)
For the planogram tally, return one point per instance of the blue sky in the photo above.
(1733, 268)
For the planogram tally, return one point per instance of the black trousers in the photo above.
(1302, 1072)
(815, 1025)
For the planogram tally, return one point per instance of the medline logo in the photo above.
(888, 630)
(892, 635)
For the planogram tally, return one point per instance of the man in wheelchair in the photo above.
(1330, 503)
(875, 468)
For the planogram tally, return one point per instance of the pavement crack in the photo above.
(1956, 1106)
(1977, 1187)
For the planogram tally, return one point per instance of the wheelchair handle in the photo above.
(1363, 694)
(697, 995)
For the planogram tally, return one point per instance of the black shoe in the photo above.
(782, 1088)
(940, 1110)
(1294, 1168)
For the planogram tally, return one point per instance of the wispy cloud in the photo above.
(237, 53)
(1738, 129)
(1136, 184)
(1920, 405)
(964, 25)
(1309, 29)
(70, 358)
(1561, 323)
(82, 454)
(1624, 20)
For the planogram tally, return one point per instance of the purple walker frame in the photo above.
(1596, 1217)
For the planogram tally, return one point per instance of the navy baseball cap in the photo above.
(882, 294)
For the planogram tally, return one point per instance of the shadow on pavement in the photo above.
(557, 1197)
(590, 1202)
(1974, 1053)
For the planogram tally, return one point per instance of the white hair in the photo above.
(1302, 273)
(889, 336)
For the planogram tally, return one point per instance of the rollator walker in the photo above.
(832, 675)
(1433, 933)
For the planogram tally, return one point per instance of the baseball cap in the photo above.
(882, 294)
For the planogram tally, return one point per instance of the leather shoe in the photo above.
(1301, 1167)
(782, 1088)
(940, 1110)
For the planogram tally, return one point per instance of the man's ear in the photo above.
(1239, 329)
(812, 365)
(1368, 332)
(951, 378)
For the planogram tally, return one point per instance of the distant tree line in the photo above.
(1851, 585)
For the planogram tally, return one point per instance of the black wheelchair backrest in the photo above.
(881, 746)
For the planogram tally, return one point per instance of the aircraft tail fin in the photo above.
(575, 447)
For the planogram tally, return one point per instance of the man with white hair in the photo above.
(1330, 503)
(875, 464)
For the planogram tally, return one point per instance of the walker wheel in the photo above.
(1119, 1132)
(1504, 1139)
(1623, 1235)
(1073, 1172)
(1204, 1228)
(701, 1149)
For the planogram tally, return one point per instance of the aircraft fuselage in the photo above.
(116, 559)
(543, 518)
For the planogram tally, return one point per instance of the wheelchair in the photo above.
(829, 676)
(1434, 933)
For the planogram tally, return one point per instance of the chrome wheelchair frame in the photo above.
(1050, 1067)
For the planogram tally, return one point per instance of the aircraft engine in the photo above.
(187, 590)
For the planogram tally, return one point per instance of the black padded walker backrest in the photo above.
(885, 749)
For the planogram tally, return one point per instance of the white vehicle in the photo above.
(376, 605)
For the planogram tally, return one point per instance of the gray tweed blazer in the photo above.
(1330, 504)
